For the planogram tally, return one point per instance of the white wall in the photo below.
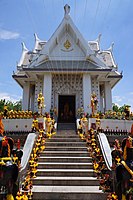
(112, 124)
(17, 125)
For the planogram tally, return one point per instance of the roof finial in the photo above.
(36, 37)
(24, 48)
(111, 47)
(99, 38)
(67, 9)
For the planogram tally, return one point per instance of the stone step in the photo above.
(64, 140)
(74, 144)
(60, 148)
(48, 165)
(82, 181)
(66, 132)
(60, 135)
(64, 153)
(61, 159)
(65, 172)
(68, 193)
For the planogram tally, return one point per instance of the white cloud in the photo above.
(8, 35)
(127, 99)
(131, 93)
(9, 97)
(117, 99)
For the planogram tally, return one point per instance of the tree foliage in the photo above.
(115, 108)
(10, 105)
(121, 109)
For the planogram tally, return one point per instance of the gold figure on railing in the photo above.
(84, 124)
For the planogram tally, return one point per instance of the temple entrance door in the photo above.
(66, 108)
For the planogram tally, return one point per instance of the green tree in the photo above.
(115, 108)
(10, 105)
(2, 103)
(123, 108)
(18, 105)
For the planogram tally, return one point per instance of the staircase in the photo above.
(66, 126)
(65, 170)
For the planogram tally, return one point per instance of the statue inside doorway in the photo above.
(66, 110)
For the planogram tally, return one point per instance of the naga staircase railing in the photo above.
(28, 146)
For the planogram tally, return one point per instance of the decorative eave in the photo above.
(19, 79)
(110, 51)
(96, 42)
(117, 76)
(19, 76)
(114, 77)
(65, 69)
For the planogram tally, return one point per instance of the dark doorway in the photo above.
(66, 108)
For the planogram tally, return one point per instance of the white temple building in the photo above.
(67, 69)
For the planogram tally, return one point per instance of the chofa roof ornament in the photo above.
(111, 47)
(67, 9)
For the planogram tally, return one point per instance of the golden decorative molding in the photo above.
(67, 44)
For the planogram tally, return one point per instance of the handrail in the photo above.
(28, 146)
(106, 150)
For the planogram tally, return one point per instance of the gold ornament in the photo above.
(67, 44)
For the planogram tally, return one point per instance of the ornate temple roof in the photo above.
(66, 50)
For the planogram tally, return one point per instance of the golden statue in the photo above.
(94, 103)
(40, 101)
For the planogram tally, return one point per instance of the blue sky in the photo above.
(19, 20)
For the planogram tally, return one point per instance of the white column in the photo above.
(87, 92)
(47, 90)
(101, 103)
(32, 97)
(26, 92)
(108, 96)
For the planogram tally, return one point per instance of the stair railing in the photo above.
(28, 146)
(106, 150)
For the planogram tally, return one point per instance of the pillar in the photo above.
(47, 90)
(26, 96)
(101, 103)
(87, 92)
(107, 96)
(38, 89)
(102, 98)
(32, 97)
